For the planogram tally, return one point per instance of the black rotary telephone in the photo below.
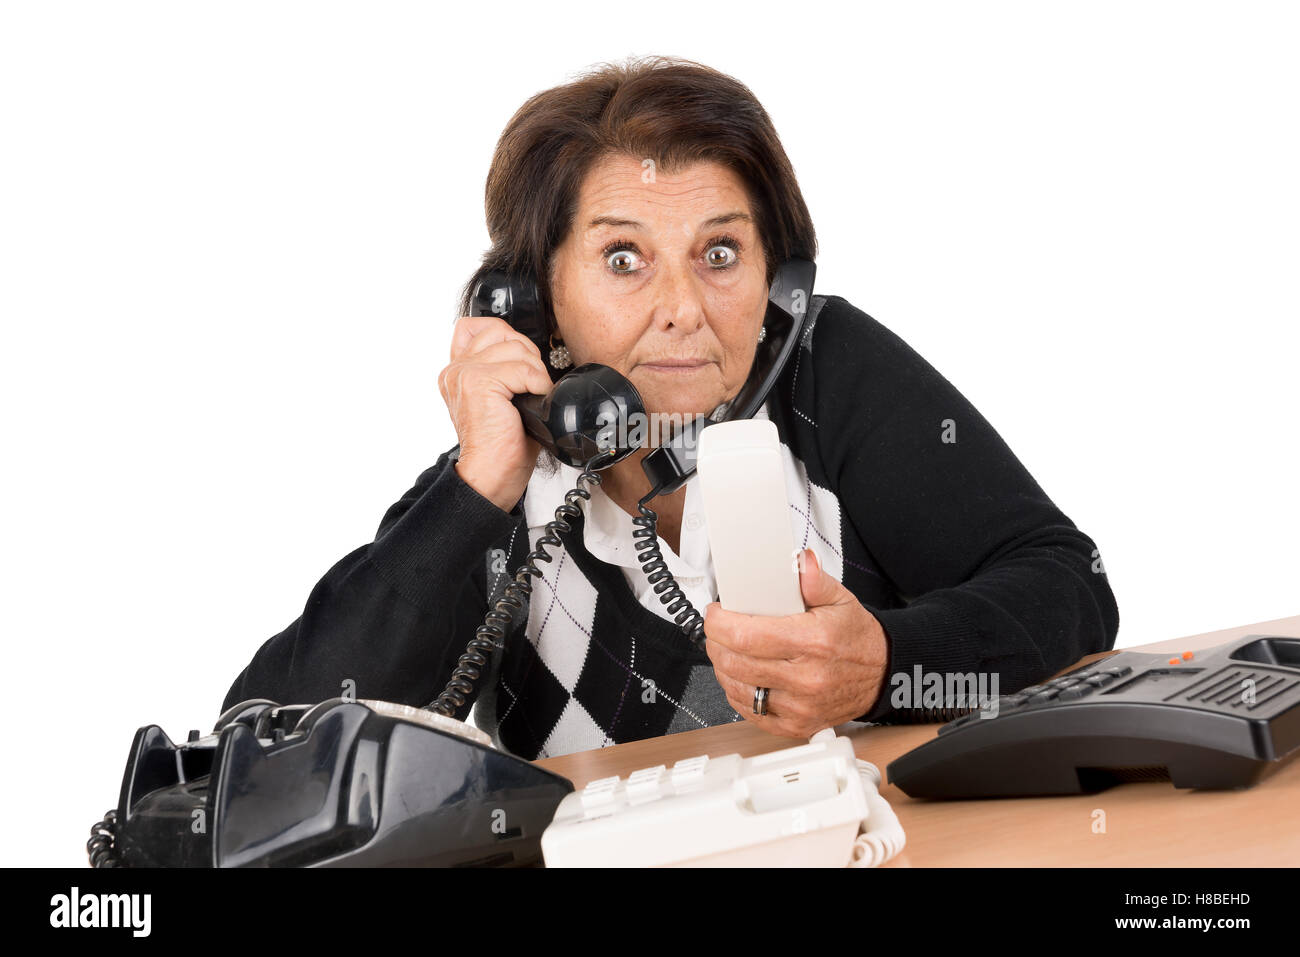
(350, 782)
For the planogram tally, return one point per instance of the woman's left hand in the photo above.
(823, 667)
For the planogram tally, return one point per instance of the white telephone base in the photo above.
(813, 805)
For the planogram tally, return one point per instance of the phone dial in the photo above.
(370, 783)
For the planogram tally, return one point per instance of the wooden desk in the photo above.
(1147, 825)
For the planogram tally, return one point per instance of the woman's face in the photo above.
(664, 272)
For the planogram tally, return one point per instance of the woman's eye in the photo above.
(720, 256)
(621, 261)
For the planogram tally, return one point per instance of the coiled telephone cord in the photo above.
(951, 710)
(492, 633)
(100, 847)
(881, 836)
(646, 540)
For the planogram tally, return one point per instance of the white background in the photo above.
(231, 238)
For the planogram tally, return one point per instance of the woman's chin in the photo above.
(680, 406)
(669, 395)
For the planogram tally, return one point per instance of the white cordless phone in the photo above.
(751, 537)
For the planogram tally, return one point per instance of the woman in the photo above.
(651, 203)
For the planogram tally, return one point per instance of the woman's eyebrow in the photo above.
(733, 217)
(613, 221)
(721, 220)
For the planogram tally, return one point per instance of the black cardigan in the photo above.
(952, 545)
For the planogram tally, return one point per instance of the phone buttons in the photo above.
(689, 771)
(598, 797)
(646, 784)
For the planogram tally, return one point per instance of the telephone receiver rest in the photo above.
(581, 419)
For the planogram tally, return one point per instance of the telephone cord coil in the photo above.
(646, 541)
(100, 847)
(492, 633)
(881, 837)
(944, 714)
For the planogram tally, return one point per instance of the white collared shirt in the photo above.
(607, 535)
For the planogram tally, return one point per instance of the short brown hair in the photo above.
(676, 112)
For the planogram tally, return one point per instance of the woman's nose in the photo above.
(678, 300)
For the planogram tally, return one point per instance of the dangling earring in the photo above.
(762, 333)
(560, 358)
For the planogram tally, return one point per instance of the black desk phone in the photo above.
(1218, 718)
(371, 783)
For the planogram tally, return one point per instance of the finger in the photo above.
(779, 637)
(741, 697)
(510, 350)
(817, 585)
(488, 338)
(515, 376)
(466, 328)
(774, 722)
(784, 715)
(476, 332)
(768, 672)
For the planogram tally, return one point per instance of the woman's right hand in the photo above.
(490, 364)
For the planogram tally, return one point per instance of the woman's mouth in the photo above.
(676, 366)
